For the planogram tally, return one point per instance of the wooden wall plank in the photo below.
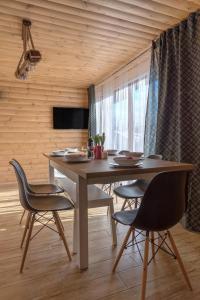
(26, 126)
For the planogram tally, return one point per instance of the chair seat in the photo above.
(134, 190)
(49, 203)
(45, 189)
(125, 217)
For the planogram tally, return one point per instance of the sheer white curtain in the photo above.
(121, 106)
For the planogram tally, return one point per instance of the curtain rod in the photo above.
(128, 63)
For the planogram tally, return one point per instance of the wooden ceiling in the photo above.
(83, 41)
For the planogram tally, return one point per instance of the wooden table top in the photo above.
(101, 168)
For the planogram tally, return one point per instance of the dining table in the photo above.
(102, 171)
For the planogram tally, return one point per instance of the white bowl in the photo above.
(125, 161)
(134, 154)
(58, 151)
(75, 156)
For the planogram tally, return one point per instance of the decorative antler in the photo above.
(30, 57)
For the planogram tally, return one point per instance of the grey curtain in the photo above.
(92, 110)
(152, 107)
(174, 108)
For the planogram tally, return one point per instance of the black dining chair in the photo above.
(37, 208)
(163, 205)
(37, 189)
(124, 152)
(131, 193)
(109, 187)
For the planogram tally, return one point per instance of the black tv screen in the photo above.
(70, 118)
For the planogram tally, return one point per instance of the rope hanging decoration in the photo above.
(30, 56)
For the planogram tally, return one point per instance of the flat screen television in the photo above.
(70, 118)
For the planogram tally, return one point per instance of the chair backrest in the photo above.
(21, 185)
(124, 152)
(22, 173)
(164, 202)
(155, 156)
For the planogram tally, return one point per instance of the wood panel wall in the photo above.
(26, 125)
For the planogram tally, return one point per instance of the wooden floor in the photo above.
(49, 275)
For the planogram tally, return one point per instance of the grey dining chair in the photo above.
(170, 190)
(124, 152)
(37, 208)
(37, 189)
(109, 187)
(134, 191)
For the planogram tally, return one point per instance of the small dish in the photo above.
(126, 161)
(115, 165)
(76, 156)
(58, 153)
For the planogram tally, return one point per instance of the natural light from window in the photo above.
(121, 115)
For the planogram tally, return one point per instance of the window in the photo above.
(121, 114)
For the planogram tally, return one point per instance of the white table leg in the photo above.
(82, 223)
(51, 173)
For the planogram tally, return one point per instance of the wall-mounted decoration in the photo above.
(30, 56)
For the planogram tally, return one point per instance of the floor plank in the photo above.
(49, 275)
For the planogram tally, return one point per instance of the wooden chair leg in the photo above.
(179, 259)
(27, 242)
(152, 243)
(122, 249)
(145, 266)
(25, 229)
(57, 220)
(57, 226)
(61, 223)
(20, 222)
(112, 223)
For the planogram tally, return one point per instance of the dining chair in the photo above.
(38, 208)
(163, 205)
(96, 198)
(131, 193)
(124, 152)
(109, 187)
(37, 189)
